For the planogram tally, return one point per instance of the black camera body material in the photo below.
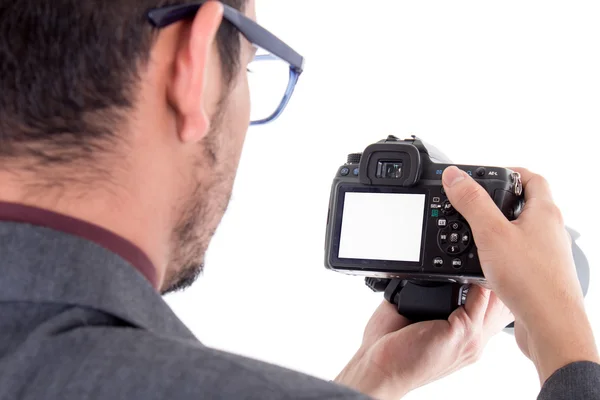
(403, 174)
(390, 221)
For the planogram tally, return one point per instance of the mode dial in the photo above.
(354, 158)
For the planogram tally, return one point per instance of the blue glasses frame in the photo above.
(253, 32)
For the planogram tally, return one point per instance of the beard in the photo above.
(200, 211)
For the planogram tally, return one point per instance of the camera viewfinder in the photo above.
(389, 169)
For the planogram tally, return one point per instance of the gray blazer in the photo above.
(78, 322)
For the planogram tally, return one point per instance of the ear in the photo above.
(190, 90)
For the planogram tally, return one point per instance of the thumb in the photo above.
(471, 200)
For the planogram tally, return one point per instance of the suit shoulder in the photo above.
(112, 363)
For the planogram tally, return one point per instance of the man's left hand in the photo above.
(397, 356)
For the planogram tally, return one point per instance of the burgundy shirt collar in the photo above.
(36, 216)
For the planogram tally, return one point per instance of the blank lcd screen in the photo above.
(382, 226)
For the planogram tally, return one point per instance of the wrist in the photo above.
(559, 340)
(365, 376)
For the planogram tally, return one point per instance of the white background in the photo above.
(497, 83)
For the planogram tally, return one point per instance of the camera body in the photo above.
(389, 216)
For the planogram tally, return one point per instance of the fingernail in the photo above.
(453, 175)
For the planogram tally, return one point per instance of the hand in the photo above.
(396, 357)
(529, 265)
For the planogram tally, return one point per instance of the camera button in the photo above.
(457, 263)
(480, 172)
(454, 238)
(447, 208)
(442, 222)
(453, 249)
(443, 237)
(456, 226)
(466, 238)
(438, 262)
(344, 171)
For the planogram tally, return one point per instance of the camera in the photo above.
(391, 221)
(389, 216)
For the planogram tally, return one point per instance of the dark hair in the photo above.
(69, 70)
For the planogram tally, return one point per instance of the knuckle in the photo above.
(551, 211)
(541, 184)
(556, 214)
(539, 180)
(459, 323)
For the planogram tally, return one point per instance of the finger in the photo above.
(472, 315)
(474, 203)
(477, 303)
(534, 185)
(497, 316)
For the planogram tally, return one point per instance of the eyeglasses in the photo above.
(273, 73)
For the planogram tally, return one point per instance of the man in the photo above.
(121, 127)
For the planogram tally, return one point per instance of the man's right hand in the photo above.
(529, 264)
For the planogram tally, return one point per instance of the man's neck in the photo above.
(111, 210)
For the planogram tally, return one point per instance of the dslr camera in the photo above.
(391, 221)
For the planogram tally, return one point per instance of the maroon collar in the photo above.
(36, 216)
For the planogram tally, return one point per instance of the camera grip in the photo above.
(424, 301)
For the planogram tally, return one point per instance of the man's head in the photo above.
(135, 129)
